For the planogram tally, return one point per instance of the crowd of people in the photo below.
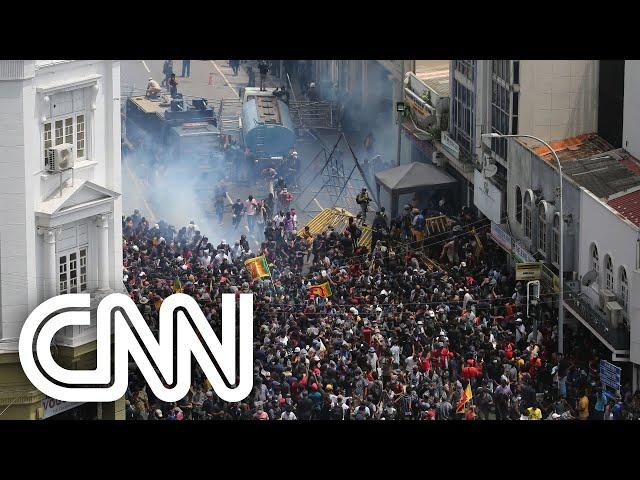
(400, 337)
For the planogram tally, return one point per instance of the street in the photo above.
(154, 199)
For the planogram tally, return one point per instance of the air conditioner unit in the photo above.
(613, 310)
(61, 157)
(606, 296)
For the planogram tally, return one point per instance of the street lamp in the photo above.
(561, 293)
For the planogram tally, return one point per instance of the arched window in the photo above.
(542, 228)
(518, 204)
(595, 261)
(608, 273)
(624, 288)
(527, 214)
(556, 239)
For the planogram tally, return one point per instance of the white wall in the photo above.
(631, 114)
(612, 234)
(558, 98)
(24, 184)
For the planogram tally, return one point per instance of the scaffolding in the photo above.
(340, 188)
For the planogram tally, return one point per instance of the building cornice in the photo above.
(83, 82)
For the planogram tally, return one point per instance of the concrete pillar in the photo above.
(103, 252)
(50, 261)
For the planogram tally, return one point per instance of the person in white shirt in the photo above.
(467, 298)
(250, 208)
(395, 353)
(220, 257)
(153, 89)
(279, 218)
(288, 415)
(236, 251)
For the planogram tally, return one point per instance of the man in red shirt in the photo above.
(366, 333)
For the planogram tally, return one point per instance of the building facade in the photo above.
(601, 190)
(60, 220)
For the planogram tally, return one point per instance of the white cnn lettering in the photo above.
(160, 351)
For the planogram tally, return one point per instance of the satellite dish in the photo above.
(490, 170)
(589, 277)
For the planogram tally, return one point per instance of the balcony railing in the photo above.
(617, 337)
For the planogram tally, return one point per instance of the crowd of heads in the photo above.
(408, 327)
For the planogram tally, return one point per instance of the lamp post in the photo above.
(561, 232)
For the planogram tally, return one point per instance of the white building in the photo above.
(631, 109)
(551, 99)
(60, 231)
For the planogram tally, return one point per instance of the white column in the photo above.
(51, 262)
(103, 252)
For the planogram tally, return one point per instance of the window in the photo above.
(527, 214)
(595, 261)
(80, 136)
(72, 271)
(67, 124)
(500, 114)
(67, 130)
(608, 273)
(48, 154)
(556, 239)
(518, 204)
(624, 288)
(542, 228)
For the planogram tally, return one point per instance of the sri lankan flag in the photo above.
(466, 396)
(323, 290)
(258, 267)
(177, 285)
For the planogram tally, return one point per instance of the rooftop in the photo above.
(428, 69)
(594, 164)
(575, 148)
(628, 206)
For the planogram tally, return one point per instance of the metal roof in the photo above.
(594, 164)
(628, 206)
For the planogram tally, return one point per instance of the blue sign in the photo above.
(610, 375)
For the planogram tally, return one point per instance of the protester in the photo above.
(345, 333)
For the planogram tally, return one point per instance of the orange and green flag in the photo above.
(466, 396)
(323, 290)
(258, 267)
(177, 285)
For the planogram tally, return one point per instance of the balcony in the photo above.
(617, 339)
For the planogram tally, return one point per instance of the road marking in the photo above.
(139, 188)
(318, 203)
(235, 92)
(146, 66)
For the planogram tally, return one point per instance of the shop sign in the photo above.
(528, 271)
(52, 407)
(452, 147)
